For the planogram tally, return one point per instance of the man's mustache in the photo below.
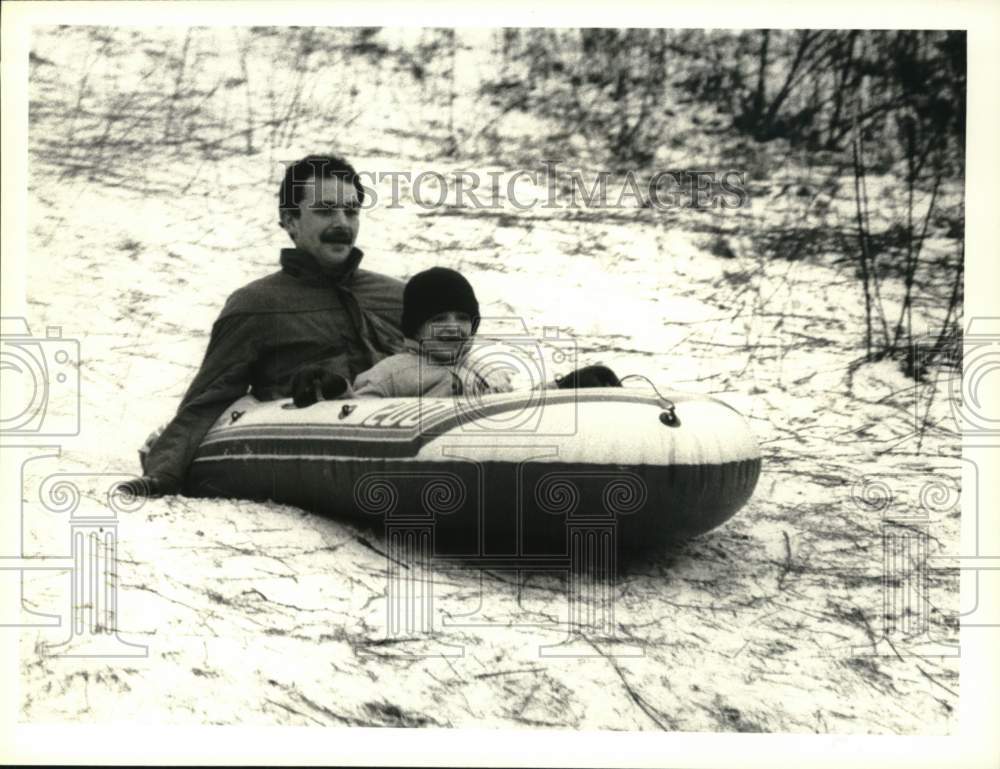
(336, 236)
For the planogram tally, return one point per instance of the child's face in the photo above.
(444, 335)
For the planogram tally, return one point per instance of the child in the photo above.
(440, 317)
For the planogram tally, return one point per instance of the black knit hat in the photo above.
(433, 292)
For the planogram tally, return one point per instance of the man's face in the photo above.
(328, 221)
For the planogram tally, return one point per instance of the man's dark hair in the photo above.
(314, 166)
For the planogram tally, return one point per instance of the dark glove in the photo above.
(150, 486)
(317, 383)
(589, 376)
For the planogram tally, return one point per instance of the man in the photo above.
(319, 315)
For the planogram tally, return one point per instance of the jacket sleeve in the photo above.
(480, 378)
(224, 377)
(376, 382)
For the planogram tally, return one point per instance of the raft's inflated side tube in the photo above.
(504, 475)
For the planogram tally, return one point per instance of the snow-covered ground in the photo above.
(263, 614)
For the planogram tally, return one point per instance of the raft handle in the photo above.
(346, 410)
(234, 416)
(669, 417)
(669, 414)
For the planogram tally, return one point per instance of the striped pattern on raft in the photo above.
(498, 477)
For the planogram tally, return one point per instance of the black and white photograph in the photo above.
(517, 378)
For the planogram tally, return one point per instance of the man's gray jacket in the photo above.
(268, 330)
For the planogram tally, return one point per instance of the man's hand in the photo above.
(150, 486)
(317, 383)
(589, 376)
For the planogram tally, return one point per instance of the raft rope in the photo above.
(669, 415)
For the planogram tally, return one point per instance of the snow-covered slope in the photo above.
(770, 623)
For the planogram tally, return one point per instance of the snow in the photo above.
(264, 614)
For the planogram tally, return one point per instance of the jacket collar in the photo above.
(302, 265)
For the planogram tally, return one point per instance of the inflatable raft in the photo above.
(503, 476)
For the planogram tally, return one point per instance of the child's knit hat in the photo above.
(434, 291)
